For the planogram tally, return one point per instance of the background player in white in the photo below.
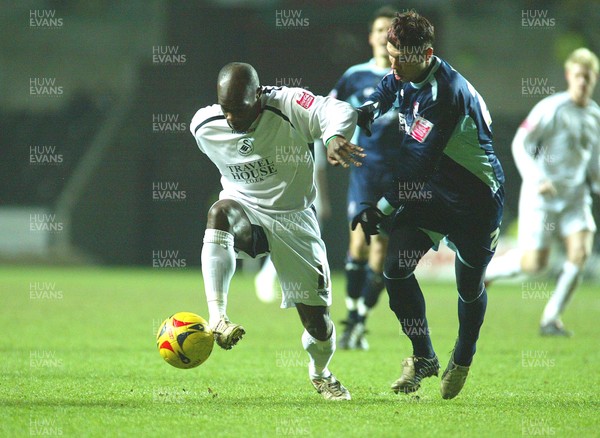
(556, 150)
(258, 137)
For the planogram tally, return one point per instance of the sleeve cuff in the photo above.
(331, 138)
(385, 207)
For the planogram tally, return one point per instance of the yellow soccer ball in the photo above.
(185, 340)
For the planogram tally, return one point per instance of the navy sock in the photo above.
(353, 316)
(373, 286)
(470, 317)
(372, 289)
(408, 303)
(356, 275)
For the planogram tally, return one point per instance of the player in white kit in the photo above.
(557, 151)
(259, 138)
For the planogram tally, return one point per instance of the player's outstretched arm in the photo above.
(341, 151)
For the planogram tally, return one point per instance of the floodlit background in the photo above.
(101, 179)
(96, 160)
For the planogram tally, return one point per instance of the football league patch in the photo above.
(420, 129)
(306, 100)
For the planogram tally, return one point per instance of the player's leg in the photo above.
(474, 238)
(227, 227)
(300, 257)
(579, 248)
(472, 304)
(318, 340)
(535, 261)
(407, 245)
(359, 190)
(372, 287)
(356, 274)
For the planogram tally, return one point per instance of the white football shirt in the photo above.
(560, 142)
(270, 167)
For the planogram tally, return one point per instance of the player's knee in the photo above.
(533, 266)
(399, 268)
(469, 281)
(469, 292)
(219, 216)
(228, 215)
(578, 256)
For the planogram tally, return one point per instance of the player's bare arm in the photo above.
(341, 151)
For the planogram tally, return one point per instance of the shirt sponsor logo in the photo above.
(420, 129)
(252, 171)
(245, 146)
(306, 100)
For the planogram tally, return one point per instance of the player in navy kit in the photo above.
(364, 264)
(448, 185)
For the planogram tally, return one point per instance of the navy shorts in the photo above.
(471, 231)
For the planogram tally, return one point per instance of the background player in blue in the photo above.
(449, 184)
(364, 264)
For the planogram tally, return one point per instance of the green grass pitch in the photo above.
(79, 358)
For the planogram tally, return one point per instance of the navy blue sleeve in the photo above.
(385, 94)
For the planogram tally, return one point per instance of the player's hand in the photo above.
(546, 188)
(369, 219)
(341, 151)
(366, 115)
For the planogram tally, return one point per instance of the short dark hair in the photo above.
(411, 29)
(383, 12)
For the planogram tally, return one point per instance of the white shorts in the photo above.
(298, 254)
(537, 226)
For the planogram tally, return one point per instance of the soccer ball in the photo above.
(185, 340)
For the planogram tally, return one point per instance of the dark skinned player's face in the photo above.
(240, 107)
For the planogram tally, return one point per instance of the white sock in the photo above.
(363, 310)
(505, 266)
(567, 282)
(218, 266)
(320, 353)
(351, 303)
